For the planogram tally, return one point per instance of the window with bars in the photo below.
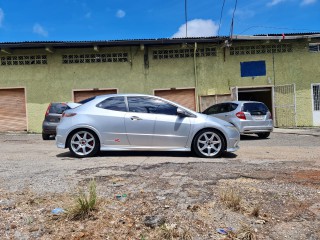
(183, 53)
(23, 60)
(316, 97)
(314, 47)
(94, 58)
(260, 49)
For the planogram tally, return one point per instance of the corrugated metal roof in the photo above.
(137, 42)
(288, 34)
(128, 42)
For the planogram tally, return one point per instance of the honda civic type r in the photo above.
(120, 122)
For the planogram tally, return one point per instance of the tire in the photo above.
(45, 136)
(263, 135)
(208, 143)
(83, 143)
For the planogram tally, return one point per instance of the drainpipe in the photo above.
(196, 75)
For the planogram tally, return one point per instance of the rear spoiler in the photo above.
(73, 105)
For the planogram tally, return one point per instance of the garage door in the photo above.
(184, 97)
(13, 115)
(79, 95)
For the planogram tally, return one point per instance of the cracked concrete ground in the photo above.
(281, 175)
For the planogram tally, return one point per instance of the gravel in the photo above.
(279, 175)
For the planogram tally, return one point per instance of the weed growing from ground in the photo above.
(85, 203)
(231, 199)
(246, 233)
(170, 232)
(255, 211)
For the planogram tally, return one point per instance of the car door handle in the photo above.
(135, 118)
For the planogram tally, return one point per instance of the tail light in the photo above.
(48, 110)
(64, 114)
(270, 115)
(241, 115)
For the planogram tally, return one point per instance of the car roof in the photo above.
(124, 95)
(138, 95)
(240, 102)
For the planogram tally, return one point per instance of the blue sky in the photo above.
(81, 20)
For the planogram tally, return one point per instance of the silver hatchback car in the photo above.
(142, 122)
(249, 117)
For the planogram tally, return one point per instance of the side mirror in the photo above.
(182, 113)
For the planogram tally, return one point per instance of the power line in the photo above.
(224, 1)
(186, 16)
(232, 21)
(280, 28)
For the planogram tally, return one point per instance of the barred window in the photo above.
(94, 58)
(260, 49)
(314, 47)
(183, 53)
(24, 60)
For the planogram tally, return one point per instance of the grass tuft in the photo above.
(231, 199)
(85, 203)
(246, 233)
(255, 211)
(170, 232)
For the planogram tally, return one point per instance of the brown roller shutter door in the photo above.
(13, 115)
(81, 95)
(184, 97)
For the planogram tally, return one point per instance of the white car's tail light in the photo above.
(68, 114)
(241, 115)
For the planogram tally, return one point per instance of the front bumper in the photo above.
(233, 144)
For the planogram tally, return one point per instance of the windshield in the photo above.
(58, 108)
(255, 108)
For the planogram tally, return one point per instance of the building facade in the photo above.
(281, 70)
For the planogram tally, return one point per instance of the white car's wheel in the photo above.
(208, 143)
(84, 143)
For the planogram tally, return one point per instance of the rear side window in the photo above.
(114, 104)
(58, 108)
(255, 108)
(151, 105)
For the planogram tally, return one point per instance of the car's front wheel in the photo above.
(83, 143)
(208, 143)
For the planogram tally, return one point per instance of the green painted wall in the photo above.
(55, 81)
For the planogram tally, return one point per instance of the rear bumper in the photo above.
(258, 129)
(60, 141)
(49, 128)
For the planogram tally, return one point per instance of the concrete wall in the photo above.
(215, 74)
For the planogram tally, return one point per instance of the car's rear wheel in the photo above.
(208, 143)
(83, 143)
(263, 135)
(45, 136)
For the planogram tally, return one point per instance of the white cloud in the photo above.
(38, 29)
(308, 2)
(120, 13)
(198, 28)
(275, 2)
(1, 17)
(243, 13)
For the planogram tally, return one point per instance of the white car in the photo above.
(249, 117)
(142, 122)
